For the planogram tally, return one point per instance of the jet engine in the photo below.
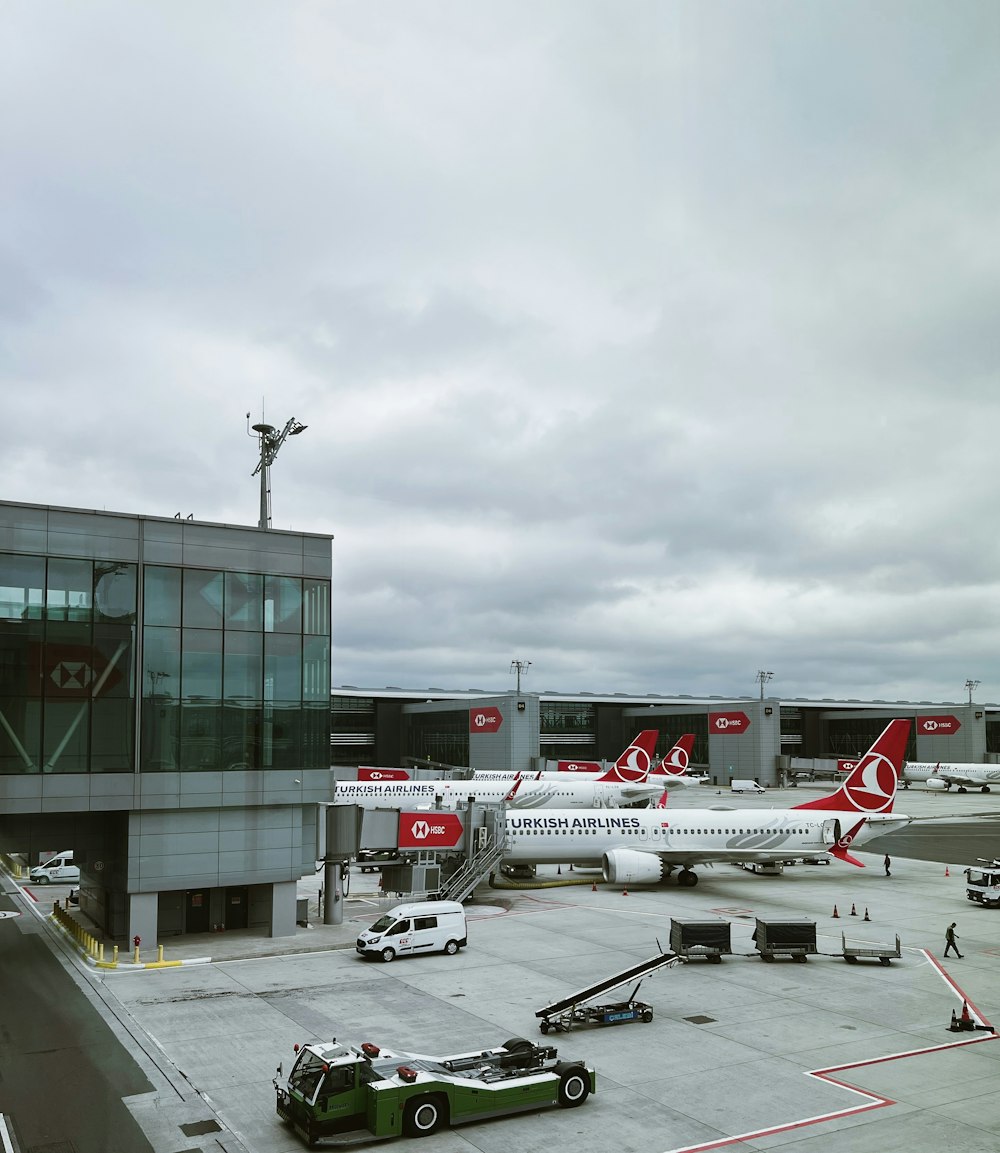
(627, 867)
(937, 783)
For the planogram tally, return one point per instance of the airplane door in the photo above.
(831, 831)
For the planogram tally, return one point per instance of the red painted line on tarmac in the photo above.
(872, 1100)
(29, 893)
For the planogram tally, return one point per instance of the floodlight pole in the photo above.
(763, 676)
(971, 686)
(519, 667)
(270, 441)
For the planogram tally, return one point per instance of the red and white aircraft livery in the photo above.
(523, 792)
(646, 846)
(942, 775)
(635, 764)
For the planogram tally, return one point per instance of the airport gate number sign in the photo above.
(731, 724)
(938, 726)
(429, 830)
(485, 720)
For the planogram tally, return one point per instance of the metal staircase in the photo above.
(487, 856)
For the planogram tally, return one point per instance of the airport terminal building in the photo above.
(165, 713)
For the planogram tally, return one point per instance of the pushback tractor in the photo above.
(340, 1095)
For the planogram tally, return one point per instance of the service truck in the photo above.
(983, 882)
(341, 1095)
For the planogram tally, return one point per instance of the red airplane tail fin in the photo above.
(634, 764)
(675, 763)
(871, 785)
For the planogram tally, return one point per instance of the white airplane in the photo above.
(646, 846)
(942, 775)
(634, 764)
(521, 793)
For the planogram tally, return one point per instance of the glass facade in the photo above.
(232, 669)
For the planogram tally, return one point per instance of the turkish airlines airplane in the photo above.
(646, 846)
(523, 792)
(635, 764)
(943, 776)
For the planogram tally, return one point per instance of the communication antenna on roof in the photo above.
(763, 676)
(270, 440)
(971, 686)
(519, 667)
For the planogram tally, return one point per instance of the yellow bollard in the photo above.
(135, 956)
(100, 952)
(114, 955)
(159, 954)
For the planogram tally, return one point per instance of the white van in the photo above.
(746, 787)
(57, 870)
(430, 927)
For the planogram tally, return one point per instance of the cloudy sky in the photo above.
(653, 343)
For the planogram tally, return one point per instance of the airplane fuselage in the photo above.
(571, 794)
(944, 775)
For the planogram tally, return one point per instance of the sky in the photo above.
(655, 344)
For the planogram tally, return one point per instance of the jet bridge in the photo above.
(563, 1014)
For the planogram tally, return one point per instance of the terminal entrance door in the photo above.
(237, 907)
(196, 911)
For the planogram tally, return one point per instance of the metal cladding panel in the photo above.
(510, 743)
(953, 734)
(745, 749)
(343, 830)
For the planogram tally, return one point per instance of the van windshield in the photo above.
(383, 923)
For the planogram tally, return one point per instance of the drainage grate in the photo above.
(56, 1147)
(199, 1128)
(698, 1019)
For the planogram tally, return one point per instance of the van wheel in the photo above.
(423, 1116)
(451, 948)
(574, 1087)
(388, 954)
(45, 880)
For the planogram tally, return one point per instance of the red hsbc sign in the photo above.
(732, 724)
(429, 830)
(846, 766)
(485, 720)
(578, 766)
(367, 773)
(938, 726)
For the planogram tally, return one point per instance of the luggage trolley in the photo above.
(563, 1014)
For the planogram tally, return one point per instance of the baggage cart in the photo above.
(796, 939)
(881, 953)
(708, 939)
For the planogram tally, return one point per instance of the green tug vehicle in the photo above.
(340, 1095)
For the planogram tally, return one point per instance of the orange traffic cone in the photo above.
(835, 913)
(867, 918)
(966, 1016)
(946, 873)
(854, 912)
(624, 892)
(593, 886)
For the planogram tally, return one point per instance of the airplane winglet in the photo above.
(839, 850)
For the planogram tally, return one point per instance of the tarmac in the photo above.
(822, 1056)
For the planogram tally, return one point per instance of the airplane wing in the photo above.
(957, 778)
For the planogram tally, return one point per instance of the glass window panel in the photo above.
(160, 743)
(244, 601)
(316, 607)
(243, 676)
(112, 660)
(111, 736)
(282, 748)
(161, 674)
(161, 596)
(201, 665)
(22, 581)
(283, 668)
(315, 737)
(282, 604)
(20, 734)
(200, 743)
(66, 736)
(21, 659)
(114, 591)
(203, 599)
(69, 589)
(241, 736)
(67, 661)
(316, 669)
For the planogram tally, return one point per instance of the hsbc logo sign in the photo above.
(485, 720)
(366, 773)
(422, 830)
(728, 723)
(440, 831)
(938, 726)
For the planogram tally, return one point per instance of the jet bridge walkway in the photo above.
(563, 1014)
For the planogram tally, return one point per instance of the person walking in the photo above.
(887, 863)
(950, 938)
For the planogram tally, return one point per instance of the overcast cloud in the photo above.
(654, 343)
